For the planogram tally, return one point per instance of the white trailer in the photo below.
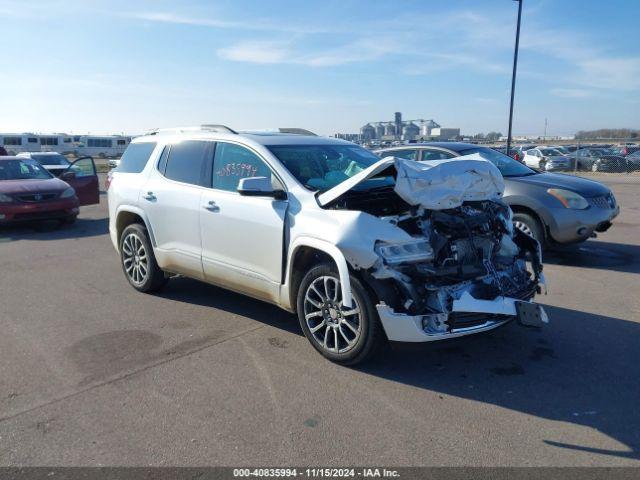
(56, 142)
(107, 146)
(15, 143)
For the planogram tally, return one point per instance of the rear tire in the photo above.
(347, 336)
(530, 225)
(138, 261)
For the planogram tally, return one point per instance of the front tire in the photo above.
(530, 225)
(347, 336)
(138, 261)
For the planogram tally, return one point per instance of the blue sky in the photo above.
(329, 66)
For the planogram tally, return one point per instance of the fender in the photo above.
(532, 204)
(331, 250)
(141, 214)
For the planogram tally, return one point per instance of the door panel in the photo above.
(242, 240)
(173, 212)
(84, 180)
(242, 236)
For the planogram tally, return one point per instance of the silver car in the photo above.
(553, 208)
(364, 250)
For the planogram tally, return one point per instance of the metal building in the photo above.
(368, 132)
(410, 131)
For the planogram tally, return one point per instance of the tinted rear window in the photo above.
(188, 160)
(135, 157)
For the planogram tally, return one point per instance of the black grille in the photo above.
(39, 215)
(603, 201)
(37, 197)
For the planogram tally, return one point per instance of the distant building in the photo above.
(367, 132)
(399, 130)
(444, 134)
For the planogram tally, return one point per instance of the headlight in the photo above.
(417, 250)
(5, 198)
(68, 193)
(569, 199)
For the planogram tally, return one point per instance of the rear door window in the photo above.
(436, 155)
(409, 154)
(187, 161)
(135, 157)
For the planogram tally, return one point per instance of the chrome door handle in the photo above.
(149, 196)
(212, 207)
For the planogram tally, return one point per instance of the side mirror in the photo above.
(68, 175)
(260, 187)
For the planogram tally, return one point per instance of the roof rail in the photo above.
(297, 131)
(205, 127)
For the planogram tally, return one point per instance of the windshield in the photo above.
(508, 166)
(51, 159)
(19, 170)
(322, 167)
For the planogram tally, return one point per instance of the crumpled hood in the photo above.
(20, 187)
(434, 184)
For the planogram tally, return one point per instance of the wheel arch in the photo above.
(306, 252)
(129, 215)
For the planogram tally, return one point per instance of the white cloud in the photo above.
(611, 73)
(572, 92)
(169, 17)
(261, 52)
(270, 52)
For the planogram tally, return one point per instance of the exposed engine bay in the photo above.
(459, 267)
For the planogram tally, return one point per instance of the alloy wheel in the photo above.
(134, 258)
(333, 327)
(524, 228)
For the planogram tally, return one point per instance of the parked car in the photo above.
(28, 192)
(626, 149)
(549, 159)
(600, 160)
(633, 160)
(514, 152)
(82, 176)
(321, 227)
(54, 162)
(553, 208)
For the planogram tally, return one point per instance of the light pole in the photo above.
(513, 76)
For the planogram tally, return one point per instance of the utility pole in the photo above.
(513, 76)
(544, 136)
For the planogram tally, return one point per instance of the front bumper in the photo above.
(27, 212)
(570, 226)
(401, 327)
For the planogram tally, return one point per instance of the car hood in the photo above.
(558, 158)
(12, 187)
(434, 184)
(586, 188)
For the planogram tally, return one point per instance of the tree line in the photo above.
(607, 133)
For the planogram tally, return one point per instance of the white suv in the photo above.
(363, 250)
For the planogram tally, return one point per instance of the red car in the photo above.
(29, 192)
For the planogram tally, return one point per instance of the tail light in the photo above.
(107, 182)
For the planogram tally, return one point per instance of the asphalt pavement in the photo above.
(95, 373)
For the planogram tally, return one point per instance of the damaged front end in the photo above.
(462, 268)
